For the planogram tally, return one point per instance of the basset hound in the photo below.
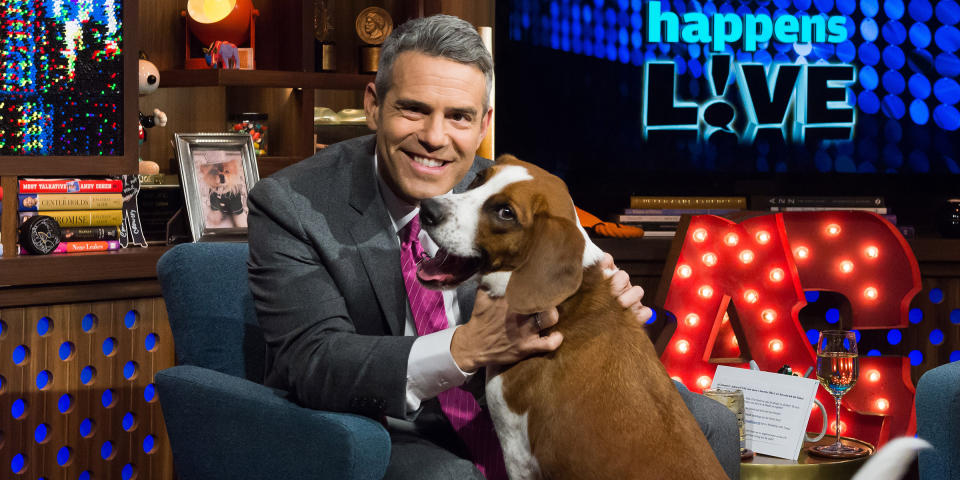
(602, 405)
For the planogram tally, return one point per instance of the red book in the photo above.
(68, 185)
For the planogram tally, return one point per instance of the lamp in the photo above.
(231, 21)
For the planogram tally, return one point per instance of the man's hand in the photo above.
(628, 295)
(496, 336)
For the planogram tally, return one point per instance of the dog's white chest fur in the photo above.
(512, 430)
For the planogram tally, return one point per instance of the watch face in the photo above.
(42, 235)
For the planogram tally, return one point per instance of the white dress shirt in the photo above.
(430, 366)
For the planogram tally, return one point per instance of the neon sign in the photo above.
(817, 94)
(761, 267)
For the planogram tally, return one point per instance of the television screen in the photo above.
(60, 87)
(731, 97)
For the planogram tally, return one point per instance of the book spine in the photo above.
(648, 218)
(688, 202)
(824, 201)
(80, 247)
(81, 218)
(680, 211)
(879, 210)
(31, 202)
(70, 186)
(88, 234)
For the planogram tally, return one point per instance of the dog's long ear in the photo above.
(553, 268)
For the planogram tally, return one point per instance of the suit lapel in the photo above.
(377, 245)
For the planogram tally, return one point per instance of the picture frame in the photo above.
(217, 170)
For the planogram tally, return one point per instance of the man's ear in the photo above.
(371, 105)
(553, 268)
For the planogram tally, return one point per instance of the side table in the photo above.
(807, 467)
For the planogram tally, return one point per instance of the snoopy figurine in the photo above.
(149, 81)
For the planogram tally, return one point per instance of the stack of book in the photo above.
(89, 211)
(806, 203)
(660, 216)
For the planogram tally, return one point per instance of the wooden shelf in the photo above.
(264, 78)
(125, 264)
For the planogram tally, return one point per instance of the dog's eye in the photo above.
(506, 213)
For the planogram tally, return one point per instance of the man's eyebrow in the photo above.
(412, 104)
(468, 111)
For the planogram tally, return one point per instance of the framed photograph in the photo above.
(216, 170)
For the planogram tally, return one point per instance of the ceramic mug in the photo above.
(823, 429)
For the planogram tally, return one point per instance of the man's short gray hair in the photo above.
(439, 36)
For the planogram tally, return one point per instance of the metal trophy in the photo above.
(373, 26)
(324, 49)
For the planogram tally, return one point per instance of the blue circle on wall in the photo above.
(868, 101)
(149, 393)
(43, 379)
(948, 12)
(127, 472)
(86, 427)
(869, 53)
(894, 337)
(894, 32)
(869, 29)
(893, 107)
(868, 78)
(947, 91)
(920, 10)
(920, 61)
(893, 57)
(129, 421)
(41, 433)
(43, 326)
(915, 315)
(869, 7)
(919, 86)
(88, 322)
(846, 51)
(919, 35)
(893, 82)
(823, 5)
(936, 336)
(946, 117)
(18, 408)
(936, 295)
(18, 464)
(801, 4)
(916, 357)
(955, 316)
(947, 64)
(893, 8)
(87, 374)
(873, 353)
(947, 38)
(823, 50)
(812, 295)
(954, 355)
(813, 335)
(63, 456)
(846, 7)
(65, 403)
(833, 315)
(919, 113)
(106, 450)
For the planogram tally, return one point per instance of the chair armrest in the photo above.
(221, 426)
(938, 421)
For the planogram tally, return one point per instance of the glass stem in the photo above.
(837, 399)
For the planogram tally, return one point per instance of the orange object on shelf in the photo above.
(225, 20)
(607, 229)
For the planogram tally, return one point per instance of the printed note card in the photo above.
(776, 408)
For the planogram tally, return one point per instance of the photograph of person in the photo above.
(222, 187)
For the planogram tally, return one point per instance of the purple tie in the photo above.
(470, 421)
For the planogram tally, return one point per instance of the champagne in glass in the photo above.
(838, 367)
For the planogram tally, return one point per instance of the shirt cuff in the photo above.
(431, 368)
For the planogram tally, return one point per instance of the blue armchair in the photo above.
(938, 422)
(222, 422)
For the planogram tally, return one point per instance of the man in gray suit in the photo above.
(325, 267)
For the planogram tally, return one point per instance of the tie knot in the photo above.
(410, 231)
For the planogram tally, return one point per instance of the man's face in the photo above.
(429, 125)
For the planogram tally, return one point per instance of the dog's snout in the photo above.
(223, 179)
(431, 212)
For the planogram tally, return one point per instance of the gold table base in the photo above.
(807, 467)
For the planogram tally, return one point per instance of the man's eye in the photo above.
(506, 213)
(460, 117)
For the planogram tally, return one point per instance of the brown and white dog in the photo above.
(602, 405)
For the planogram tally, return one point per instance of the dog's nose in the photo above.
(431, 212)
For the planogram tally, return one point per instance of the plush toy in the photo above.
(222, 54)
(149, 81)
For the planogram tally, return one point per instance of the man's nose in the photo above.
(433, 136)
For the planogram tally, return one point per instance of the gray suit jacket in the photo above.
(325, 276)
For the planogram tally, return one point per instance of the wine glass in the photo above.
(837, 369)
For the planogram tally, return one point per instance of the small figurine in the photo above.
(222, 54)
(149, 81)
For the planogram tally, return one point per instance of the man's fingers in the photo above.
(606, 262)
(548, 343)
(619, 282)
(549, 318)
(631, 297)
(643, 314)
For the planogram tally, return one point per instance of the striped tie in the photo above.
(470, 421)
